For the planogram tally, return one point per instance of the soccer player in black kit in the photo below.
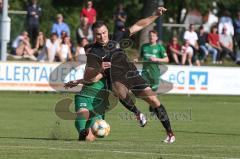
(122, 73)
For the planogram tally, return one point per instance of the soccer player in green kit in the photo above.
(87, 101)
(153, 54)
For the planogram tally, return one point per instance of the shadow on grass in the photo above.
(35, 138)
(48, 139)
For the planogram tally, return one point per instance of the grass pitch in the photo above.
(205, 127)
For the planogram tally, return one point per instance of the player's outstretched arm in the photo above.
(74, 83)
(142, 23)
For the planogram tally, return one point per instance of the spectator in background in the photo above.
(192, 37)
(52, 47)
(213, 40)
(84, 30)
(204, 46)
(119, 17)
(226, 43)
(63, 35)
(64, 53)
(226, 20)
(187, 53)
(237, 29)
(210, 19)
(1, 6)
(80, 55)
(174, 50)
(89, 12)
(59, 26)
(40, 43)
(21, 46)
(34, 12)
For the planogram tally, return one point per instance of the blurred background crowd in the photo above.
(190, 36)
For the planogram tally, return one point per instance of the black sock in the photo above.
(83, 134)
(163, 117)
(129, 104)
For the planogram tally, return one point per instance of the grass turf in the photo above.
(205, 127)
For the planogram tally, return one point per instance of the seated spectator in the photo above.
(226, 43)
(213, 40)
(192, 37)
(59, 26)
(84, 30)
(204, 46)
(63, 35)
(237, 29)
(174, 50)
(21, 46)
(51, 49)
(40, 43)
(226, 20)
(187, 53)
(80, 55)
(64, 53)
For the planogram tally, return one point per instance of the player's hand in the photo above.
(154, 59)
(106, 65)
(70, 84)
(160, 11)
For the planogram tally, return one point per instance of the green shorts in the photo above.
(152, 79)
(92, 104)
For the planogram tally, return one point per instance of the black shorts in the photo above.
(136, 84)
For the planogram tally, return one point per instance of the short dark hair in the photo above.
(98, 24)
(201, 27)
(153, 31)
(54, 34)
(191, 25)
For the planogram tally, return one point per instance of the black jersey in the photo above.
(122, 69)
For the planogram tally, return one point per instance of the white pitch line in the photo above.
(175, 145)
(116, 151)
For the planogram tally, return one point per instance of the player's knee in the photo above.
(153, 101)
(83, 112)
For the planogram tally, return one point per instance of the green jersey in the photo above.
(92, 96)
(93, 88)
(151, 71)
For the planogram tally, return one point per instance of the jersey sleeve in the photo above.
(93, 61)
(163, 52)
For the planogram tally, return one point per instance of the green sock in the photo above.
(80, 123)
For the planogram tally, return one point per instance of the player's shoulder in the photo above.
(161, 47)
(94, 49)
(145, 45)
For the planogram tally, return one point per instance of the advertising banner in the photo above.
(32, 76)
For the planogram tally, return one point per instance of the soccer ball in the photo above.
(101, 128)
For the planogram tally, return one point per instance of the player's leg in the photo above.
(151, 98)
(184, 57)
(90, 122)
(152, 78)
(155, 73)
(122, 92)
(82, 107)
